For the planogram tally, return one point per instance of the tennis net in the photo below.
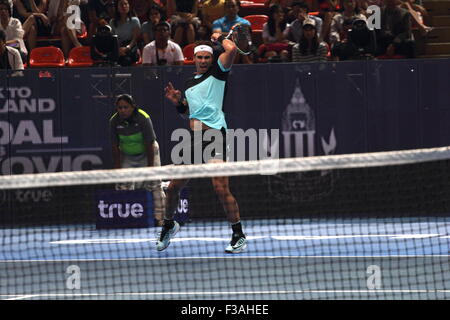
(357, 226)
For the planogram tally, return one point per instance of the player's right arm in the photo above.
(227, 57)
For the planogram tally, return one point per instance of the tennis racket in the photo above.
(241, 36)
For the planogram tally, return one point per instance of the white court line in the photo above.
(21, 297)
(276, 237)
(195, 293)
(138, 240)
(228, 257)
(350, 236)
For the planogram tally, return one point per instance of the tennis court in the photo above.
(286, 259)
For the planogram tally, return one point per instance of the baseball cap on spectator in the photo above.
(309, 22)
(360, 21)
(163, 24)
(360, 17)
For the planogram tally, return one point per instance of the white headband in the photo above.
(203, 48)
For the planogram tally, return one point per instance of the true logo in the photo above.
(121, 210)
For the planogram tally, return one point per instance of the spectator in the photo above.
(105, 46)
(301, 9)
(394, 39)
(141, 8)
(162, 51)
(128, 30)
(211, 10)
(184, 20)
(9, 57)
(13, 29)
(99, 12)
(285, 6)
(31, 14)
(417, 13)
(230, 18)
(327, 10)
(350, 13)
(58, 16)
(357, 41)
(274, 35)
(155, 14)
(309, 48)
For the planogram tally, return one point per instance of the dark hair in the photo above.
(300, 4)
(6, 3)
(238, 2)
(117, 13)
(271, 21)
(127, 98)
(2, 36)
(357, 8)
(304, 44)
(162, 13)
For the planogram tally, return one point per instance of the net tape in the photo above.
(240, 168)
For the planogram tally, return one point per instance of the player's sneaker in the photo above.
(237, 245)
(165, 236)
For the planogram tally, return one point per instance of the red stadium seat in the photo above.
(80, 57)
(253, 7)
(47, 57)
(83, 34)
(257, 21)
(188, 53)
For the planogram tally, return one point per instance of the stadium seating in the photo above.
(188, 53)
(80, 57)
(46, 57)
(257, 21)
(253, 7)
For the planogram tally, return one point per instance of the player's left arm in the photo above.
(227, 57)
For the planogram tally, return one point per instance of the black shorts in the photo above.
(203, 146)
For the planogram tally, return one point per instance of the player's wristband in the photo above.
(220, 39)
(181, 107)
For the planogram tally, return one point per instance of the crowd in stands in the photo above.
(161, 32)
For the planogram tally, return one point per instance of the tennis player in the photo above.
(204, 95)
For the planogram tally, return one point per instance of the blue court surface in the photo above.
(395, 258)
